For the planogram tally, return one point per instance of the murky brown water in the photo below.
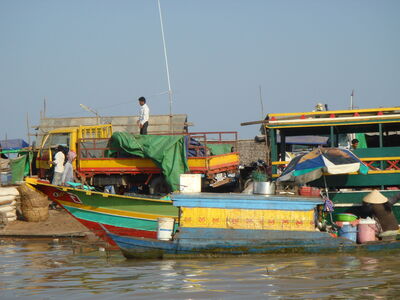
(47, 270)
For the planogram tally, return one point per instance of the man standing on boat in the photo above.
(58, 166)
(143, 121)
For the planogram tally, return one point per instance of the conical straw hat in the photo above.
(375, 197)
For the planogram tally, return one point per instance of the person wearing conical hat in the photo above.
(381, 208)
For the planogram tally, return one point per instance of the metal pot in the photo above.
(264, 188)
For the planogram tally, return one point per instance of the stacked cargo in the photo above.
(9, 197)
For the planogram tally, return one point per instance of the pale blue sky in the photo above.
(105, 54)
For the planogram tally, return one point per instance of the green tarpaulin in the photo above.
(168, 152)
(20, 167)
(218, 149)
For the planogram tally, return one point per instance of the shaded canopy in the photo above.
(310, 166)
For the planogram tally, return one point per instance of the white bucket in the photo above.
(165, 228)
(190, 183)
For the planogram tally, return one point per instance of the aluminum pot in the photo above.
(264, 188)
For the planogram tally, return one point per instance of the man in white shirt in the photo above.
(143, 121)
(58, 162)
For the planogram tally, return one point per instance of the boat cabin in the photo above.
(376, 129)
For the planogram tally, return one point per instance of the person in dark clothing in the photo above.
(378, 206)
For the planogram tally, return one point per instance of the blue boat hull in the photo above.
(186, 244)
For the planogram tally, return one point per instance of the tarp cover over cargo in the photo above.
(167, 151)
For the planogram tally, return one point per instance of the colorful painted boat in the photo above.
(125, 215)
(377, 130)
(222, 224)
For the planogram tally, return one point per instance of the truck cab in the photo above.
(68, 138)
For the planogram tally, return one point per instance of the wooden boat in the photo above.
(236, 224)
(378, 130)
(133, 216)
(151, 248)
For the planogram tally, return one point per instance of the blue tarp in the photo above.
(13, 144)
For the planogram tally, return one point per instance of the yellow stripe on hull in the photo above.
(115, 212)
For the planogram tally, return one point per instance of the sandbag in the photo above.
(5, 200)
(6, 208)
(11, 214)
(7, 191)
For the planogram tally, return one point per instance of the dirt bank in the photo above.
(59, 224)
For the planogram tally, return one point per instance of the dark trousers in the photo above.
(143, 130)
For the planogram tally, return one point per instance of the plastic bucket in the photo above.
(349, 232)
(165, 228)
(345, 217)
(366, 231)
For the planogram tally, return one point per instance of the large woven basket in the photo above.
(34, 204)
(36, 214)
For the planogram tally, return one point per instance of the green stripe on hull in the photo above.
(128, 204)
(120, 221)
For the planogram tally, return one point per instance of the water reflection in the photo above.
(49, 270)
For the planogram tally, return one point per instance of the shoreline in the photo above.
(58, 225)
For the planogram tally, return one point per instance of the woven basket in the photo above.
(36, 214)
(32, 198)
(34, 204)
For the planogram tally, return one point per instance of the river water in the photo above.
(57, 270)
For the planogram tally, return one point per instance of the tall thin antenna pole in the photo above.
(351, 100)
(166, 65)
(262, 104)
(44, 108)
(27, 126)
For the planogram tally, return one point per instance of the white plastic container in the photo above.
(190, 183)
(5, 178)
(165, 228)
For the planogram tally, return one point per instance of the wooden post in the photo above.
(332, 136)
(380, 141)
(273, 149)
(282, 146)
